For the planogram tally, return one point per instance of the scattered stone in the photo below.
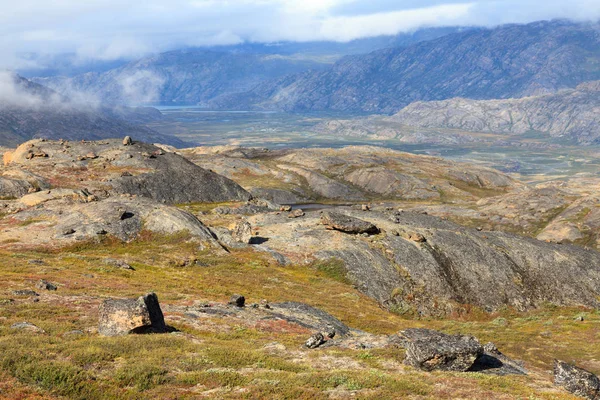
(237, 300)
(68, 232)
(45, 285)
(430, 350)
(242, 232)
(118, 264)
(296, 214)
(91, 155)
(127, 141)
(329, 331)
(125, 173)
(33, 190)
(36, 262)
(347, 224)
(579, 318)
(365, 207)
(315, 341)
(25, 292)
(74, 333)
(285, 208)
(28, 327)
(576, 380)
(123, 316)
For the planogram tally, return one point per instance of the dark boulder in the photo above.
(576, 380)
(431, 350)
(237, 300)
(123, 316)
(344, 223)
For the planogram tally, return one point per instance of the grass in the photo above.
(230, 359)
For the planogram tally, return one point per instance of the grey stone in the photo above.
(344, 223)
(431, 350)
(576, 380)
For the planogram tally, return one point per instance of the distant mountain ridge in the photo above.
(197, 76)
(571, 114)
(34, 111)
(508, 61)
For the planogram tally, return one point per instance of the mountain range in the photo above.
(508, 61)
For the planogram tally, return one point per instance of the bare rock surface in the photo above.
(139, 168)
(63, 221)
(448, 267)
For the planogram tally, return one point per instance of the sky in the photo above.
(127, 29)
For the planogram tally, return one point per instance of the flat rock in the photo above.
(28, 327)
(344, 223)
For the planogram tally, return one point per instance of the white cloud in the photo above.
(112, 29)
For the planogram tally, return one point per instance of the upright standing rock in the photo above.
(127, 141)
(242, 232)
(123, 316)
(576, 380)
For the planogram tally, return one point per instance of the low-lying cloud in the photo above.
(115, 29)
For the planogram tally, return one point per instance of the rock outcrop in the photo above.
(139, 169)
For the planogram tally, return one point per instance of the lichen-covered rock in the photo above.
(344, 223)
(431, 350)
(315, 341)
(123, 316)
(242, 232)
(576, 380)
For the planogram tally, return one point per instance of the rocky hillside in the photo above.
(253, 299)
(508, 61)
(350, 174)
(568, 114)
(34, 111)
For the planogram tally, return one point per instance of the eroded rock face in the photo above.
(576, 380)
(430, 350)
(347, 224)
(123, 316)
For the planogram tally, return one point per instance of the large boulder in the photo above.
(345, 223)
(431, 350)
(123, 316)
(576, 380)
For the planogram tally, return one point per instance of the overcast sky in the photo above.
(112, 29)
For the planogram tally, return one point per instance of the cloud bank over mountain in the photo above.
(113, 29)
